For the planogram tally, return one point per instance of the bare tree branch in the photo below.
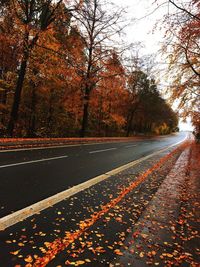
(185, 10)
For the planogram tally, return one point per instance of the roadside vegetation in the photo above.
(182, 51)
(62, 75)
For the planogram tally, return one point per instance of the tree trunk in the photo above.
(17, 96)
(50, 114)
(107, 126)
(31, 130)
(100, 116)
(130, 119)
(18, 90)
(4, 97)
(85, 115)
(3, 100)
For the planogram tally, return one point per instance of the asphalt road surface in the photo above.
(28, 176)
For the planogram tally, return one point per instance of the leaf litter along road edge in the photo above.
(59, 244)
(167, 233)
(21, 144)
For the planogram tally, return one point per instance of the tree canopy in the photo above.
(183, 54)
(62, 75)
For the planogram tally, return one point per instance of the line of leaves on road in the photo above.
(61, 244)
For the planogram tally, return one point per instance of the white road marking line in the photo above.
(103, 150)
(130, 146)
(23, 214)
(32, 161)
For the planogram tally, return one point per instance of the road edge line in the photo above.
(31, 162)
(36, 208)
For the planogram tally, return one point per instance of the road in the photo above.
(28, 176)
(113, 222)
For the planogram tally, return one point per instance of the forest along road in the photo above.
(28, 176)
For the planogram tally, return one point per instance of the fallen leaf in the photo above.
(141, 254)
(28, 259)
(15, 252)
(21, 244)
(144, 236)
(118, 252)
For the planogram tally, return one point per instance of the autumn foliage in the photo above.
(60, 76)
(181, 46)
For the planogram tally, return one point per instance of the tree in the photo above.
(9, 56)
(147, 111)
(50, 100)
(183, 50)
(97, 26)
(137, 82)
(108, 100)
(33, 18)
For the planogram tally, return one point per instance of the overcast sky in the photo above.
(143, 22)
(144, 14)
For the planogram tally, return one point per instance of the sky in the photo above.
(143, 23)
(144, 14)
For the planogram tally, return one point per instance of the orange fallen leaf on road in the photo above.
(42, 249)
(21, 244)
(118, 252)
(144, 236)
(141, 254)
(169, 255)
(135, 234)
(75, 263)
(47, 244)
(100, 249)
(15, 252)
(80, 263)
(98, 235)
(118, 219)
(28, 259)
